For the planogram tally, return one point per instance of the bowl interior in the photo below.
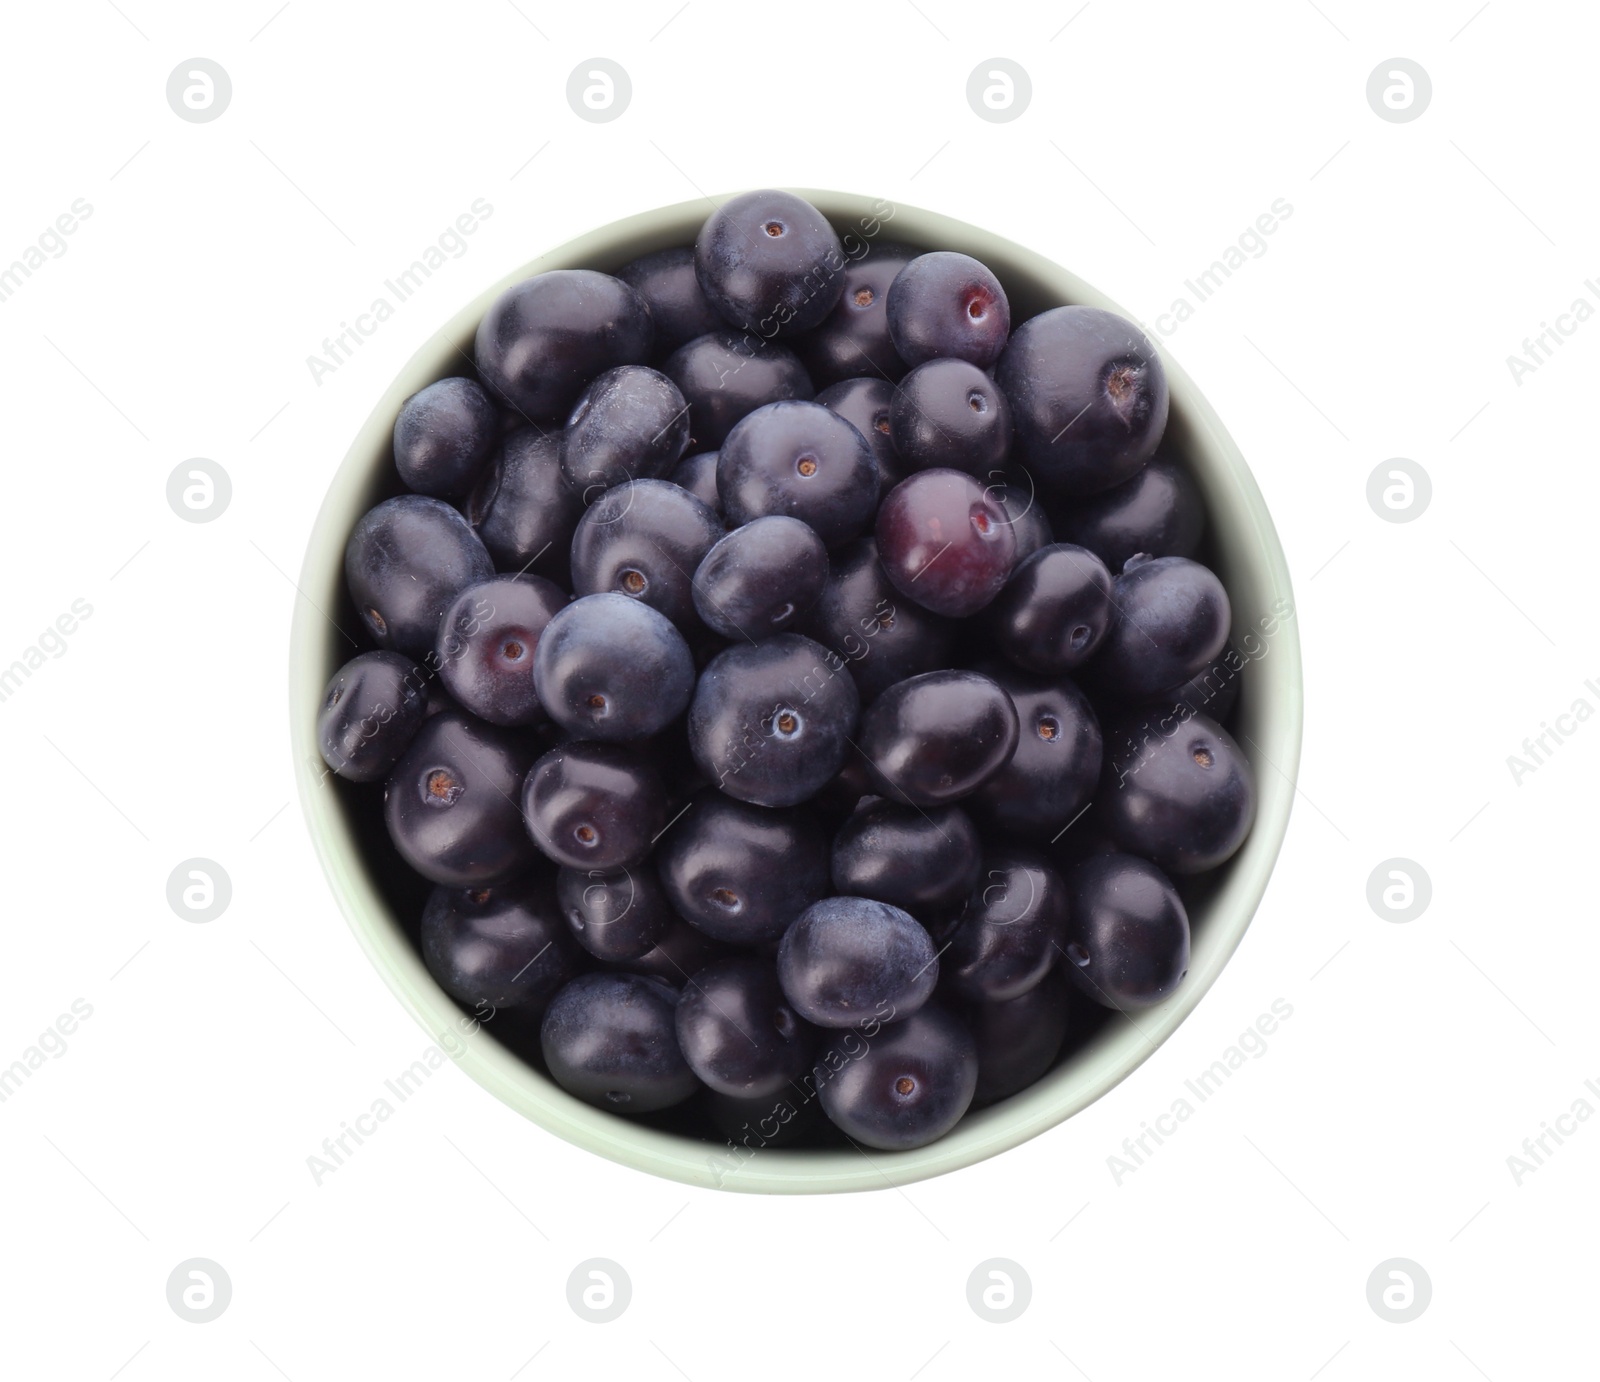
(382, 904)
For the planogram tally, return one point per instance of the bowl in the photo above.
(1245, 553)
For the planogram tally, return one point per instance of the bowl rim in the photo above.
(1275, 694)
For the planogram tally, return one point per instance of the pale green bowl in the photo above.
(1248, 558)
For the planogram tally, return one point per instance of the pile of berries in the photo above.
(795, 681)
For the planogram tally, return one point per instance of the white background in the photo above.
(1419, 1056)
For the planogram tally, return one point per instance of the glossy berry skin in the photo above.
(1019, 1039)
(1159, 511)
(1055, 611)
(935, 738)
(803, 460)
(1179, 793)
(494, 948)
(1213, 691)
(742, 873)
(770, 263)
(451, 802)
(853, 340)
(406, 560)
(486, 645)
(1029, 522)
(950, 413)
(524, 510)
(614, 915)
(865, 404)
(771, 722)
(849, 960)
(905, 1087)
(1127, 932)
(610, 667)
(1088, 396)
(666, 281)
(945, 542)
(645, 539)
(371, 711)
(882, 636)
(761, 579)
(682, 952)
(592, 805)
(1052, 776)
(923, 861)
(948, 306)
(543, 339)
(1172, 619)
(698, 475)
(631, 423)
(738, 1032)
(443, 436)
(611, 1040)
(1010, 933)
(726, 375)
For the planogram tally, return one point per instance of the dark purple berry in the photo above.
(645, 539)
(1088, 397)
(452, 802)
(803, 460)
(611, 1040)
(618, 914)
(406, 560)
(865, 404)
(631, 423)
(486, 646)
(742, 873)
(738, 1032)
(1011, 931)
(1159, 512)
(1172, 619)
(770, 263)
(947, 305)
(771, 722)
(371, 711)
(523, 508)
(938, 737)
(443, 436)
(610, 667)
(945, 542)
(666, 281)
(1127, 932)
(593, 805)
(1051, 777)
(727, 374)
(850, 960)
(853, 340)
(924, 861)
(761, 579)
(543, 339)
(950, 413)
(494, 948)
(1055, 610)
